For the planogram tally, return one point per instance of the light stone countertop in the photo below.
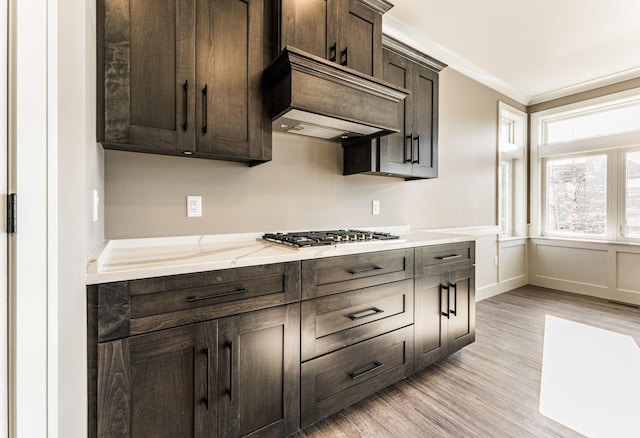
(129, 259)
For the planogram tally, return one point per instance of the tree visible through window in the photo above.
(577, 195)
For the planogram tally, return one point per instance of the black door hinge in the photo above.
(12, 213)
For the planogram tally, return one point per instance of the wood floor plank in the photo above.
(490, 388)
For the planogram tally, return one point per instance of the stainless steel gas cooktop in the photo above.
(329, 237)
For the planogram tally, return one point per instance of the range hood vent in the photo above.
(317, 98)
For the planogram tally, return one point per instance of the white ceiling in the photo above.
(532, 51)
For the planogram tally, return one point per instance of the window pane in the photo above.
(595, 124)
(576, 195)
(632, 199)
(505, 182)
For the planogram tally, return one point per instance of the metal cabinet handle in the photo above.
(445, 288)
(449, 257)
(229, 391)
(409, 156)
(361, 269)
(185, 90)
(357, 374)
(455, 298)
(208, 297)
(333, 52)
(417, 160)
(344, 56)
(205, 104)
(364, 314)
(207, 395)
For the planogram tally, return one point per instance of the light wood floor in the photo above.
(490, 388)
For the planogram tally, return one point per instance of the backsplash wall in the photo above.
(303, 187)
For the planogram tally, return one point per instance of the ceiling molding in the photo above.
(586, 86)
(410, 36)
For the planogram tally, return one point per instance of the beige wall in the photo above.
(303, 187)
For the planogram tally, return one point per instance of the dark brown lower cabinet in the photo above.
(237, 376)
(160, 384)
(339, 379)
(188, 356)
(259, 373)
(444, 314)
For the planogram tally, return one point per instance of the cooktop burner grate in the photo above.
(329, 237)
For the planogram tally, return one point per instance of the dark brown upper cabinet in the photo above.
(411, 153)
(348, 32)
(184, 77)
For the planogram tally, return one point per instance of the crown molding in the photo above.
(396, 29)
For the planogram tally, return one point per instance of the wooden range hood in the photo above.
(317, 98)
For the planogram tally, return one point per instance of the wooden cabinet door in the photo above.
(310, 25)
(425, 122)
(146, 74)
(462, 324)
(230, 119)
(360, 38)
(160, 384)
(395, 149)
(430, 323)
(259, 372)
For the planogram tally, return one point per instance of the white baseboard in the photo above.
(499, 288)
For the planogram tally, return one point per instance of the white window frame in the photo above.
(614, 146)
(610, 195)
(622, 194)
(513, 150)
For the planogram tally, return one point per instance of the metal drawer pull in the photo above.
(344, 56)
(333, 50)
(455, 298)
(207, 396)
(449, 257)
(229, 391)
(357, 374)
(364, 313)
(208, 297)
(185, 89)
(445, 288)
(205, 106)
(361, 269)
(417, 160)
(409, 158)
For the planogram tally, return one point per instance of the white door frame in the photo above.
(32, 260)
(4, 267)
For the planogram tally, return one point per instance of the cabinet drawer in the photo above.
(141, 306)
(336, 321)
(339, 379)
(339, 274)
(440, 258)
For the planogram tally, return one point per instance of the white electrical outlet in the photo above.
(375, 207)
(194, 206)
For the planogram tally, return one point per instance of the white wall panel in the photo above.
(513, 262)
(628, 271)
(577, 265)
(486, 271)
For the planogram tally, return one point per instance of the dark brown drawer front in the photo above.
(339, 274)
(336, 321)
(440, 258)
(339, 379)
(163, 302)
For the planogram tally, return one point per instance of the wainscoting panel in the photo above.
(513, 261)
(601, 269)
(628, 271)
(577, 265)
